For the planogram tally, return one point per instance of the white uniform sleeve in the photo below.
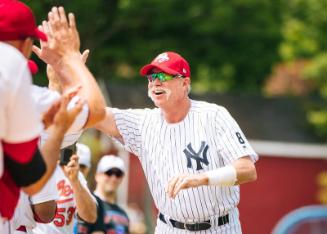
(69, 138)
(23, 122)
(19, 121)
(81, 118)
(48, 192)
(23, 215)
(45, 98)
(129, 124)
(232, 140)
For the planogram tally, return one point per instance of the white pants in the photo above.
(1, 225)
(6, 227)
(233, 227)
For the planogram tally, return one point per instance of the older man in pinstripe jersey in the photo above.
(193, 153)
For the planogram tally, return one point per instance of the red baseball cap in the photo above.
(170, 63)
(17, 22)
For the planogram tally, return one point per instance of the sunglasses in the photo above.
(162, 77)
(118, 173)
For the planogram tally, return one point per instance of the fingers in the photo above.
(71, 169)
(179, 182)
(57, 18)
(182, 183)
(73, 161)
(66, 98)
(77, 108)
(72, 22)
(48, 116)
(54, 18)
(62, 16)
(54, 107)
(37, 51)
(72, 91)
(52, 21)
(55, 13)
(64, 36)
(46, 28)
(85, 55)
(64, 102)
(73, 31)
(171, 185)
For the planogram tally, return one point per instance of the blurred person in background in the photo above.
(84, 160)
(136, 219)
(111, 217)
(84, 154)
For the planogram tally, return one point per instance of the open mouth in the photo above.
(158, 92)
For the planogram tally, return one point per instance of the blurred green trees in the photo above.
(305, 37)
(232, 45)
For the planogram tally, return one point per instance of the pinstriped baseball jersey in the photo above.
(208, 138)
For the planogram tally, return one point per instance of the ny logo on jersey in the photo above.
(191, 154)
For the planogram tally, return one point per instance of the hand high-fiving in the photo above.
(63, 38)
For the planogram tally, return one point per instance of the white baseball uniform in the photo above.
(15, 102)
(24, 215)
(208, 138)
(66, 206)
(44, 99)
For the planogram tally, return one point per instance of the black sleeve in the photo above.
(27, 173)
(84, 227)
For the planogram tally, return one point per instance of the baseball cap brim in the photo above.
(108, 162)
(144, 70)
(40, 35)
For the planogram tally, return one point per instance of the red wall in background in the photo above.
(136, 182)
(283, 185)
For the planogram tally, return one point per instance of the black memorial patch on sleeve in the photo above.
(27, 173)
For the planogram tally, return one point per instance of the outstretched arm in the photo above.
(59, 119)
(108, 125)
(240, 172)
(85, 203)
(54, 78)
(61, 51)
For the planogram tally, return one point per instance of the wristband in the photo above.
(224, 176)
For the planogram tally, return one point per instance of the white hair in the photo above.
(189, 89)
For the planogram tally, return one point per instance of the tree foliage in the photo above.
(305, 36)
(230, 44)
